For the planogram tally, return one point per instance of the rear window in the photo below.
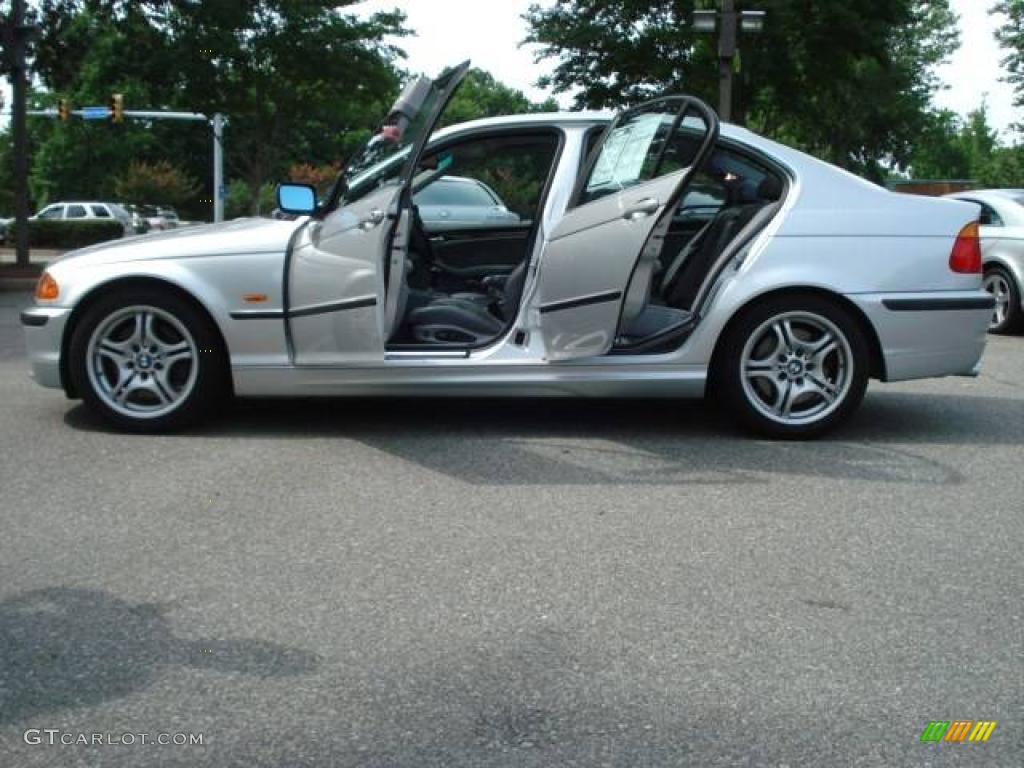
(75, 212)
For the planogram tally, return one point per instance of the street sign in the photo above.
(95, 113)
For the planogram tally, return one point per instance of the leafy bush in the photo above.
(320, 176)
(156, 184)
(65, 235)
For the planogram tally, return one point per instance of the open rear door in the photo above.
(345, 279)
(620, 214)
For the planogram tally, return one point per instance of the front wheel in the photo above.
(1007, 315)
(794, 367)
(148, 361)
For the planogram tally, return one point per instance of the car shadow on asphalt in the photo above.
(564, 442)
(65, 648)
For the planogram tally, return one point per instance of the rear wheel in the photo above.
(148, 361)
(1007, 316)
(794, 367)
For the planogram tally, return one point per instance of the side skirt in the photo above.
(446, 380)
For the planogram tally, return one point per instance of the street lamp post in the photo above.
(727, 23)
(15, 39)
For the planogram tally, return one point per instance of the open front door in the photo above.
(622, 210)
(345, 275)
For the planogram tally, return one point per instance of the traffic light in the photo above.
(117, 108)
(64, 109)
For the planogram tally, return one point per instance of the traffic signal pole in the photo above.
(217, 123)
(726, 54)
(218, 166)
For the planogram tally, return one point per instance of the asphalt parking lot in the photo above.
(496, 583)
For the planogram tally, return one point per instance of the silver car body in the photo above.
(882, 254)
(1002, 240)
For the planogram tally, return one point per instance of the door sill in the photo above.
(435, 353)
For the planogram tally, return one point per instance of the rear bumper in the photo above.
(44, 331)
(922, 335)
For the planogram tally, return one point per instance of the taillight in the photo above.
(966, 255)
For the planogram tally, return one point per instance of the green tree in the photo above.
(156, 183)
(1004, 169)
(298, 79)
(849, 80)
(481, 95)
(953, 148)
(1011, 37)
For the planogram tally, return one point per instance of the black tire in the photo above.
(209, 384)
(849, 364)
(1014, 320)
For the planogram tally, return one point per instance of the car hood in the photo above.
(239, 236)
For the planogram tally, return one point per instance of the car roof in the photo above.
(590, 118)
(989, 195)
(1005, 193)
(459, 180)
(79, 202)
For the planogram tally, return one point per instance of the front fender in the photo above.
(222, 285)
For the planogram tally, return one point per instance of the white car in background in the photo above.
(81, 211)
(1002, 249)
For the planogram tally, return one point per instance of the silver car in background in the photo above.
(457, 201)
(663, 255)
(1002, 247)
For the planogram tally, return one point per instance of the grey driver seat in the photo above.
(469, 318)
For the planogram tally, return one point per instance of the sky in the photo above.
(489, 32)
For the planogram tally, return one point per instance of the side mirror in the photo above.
(296, 198)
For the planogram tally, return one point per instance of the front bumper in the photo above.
(44, 331)
(928, 334)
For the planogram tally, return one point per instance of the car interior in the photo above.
(466, 277)
(467, 270)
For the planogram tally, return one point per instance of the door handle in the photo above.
(641, 209)
(375, 217)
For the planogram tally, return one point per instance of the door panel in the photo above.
(345, 274)
(625, 205)
(584, 273)
(480, 251)
(336, 289)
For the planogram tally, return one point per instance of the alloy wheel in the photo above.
(997, 284)
(142, 362)
(796, 368)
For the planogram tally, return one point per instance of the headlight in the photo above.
(47, 288)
